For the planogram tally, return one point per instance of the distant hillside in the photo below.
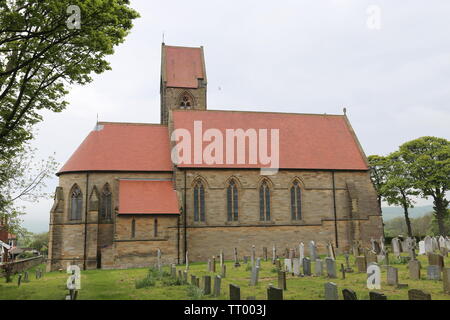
(390, 213)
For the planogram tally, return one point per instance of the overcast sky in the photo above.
(284, 56)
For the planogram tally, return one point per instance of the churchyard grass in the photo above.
(121, 284)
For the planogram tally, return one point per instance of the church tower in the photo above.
(183, 79)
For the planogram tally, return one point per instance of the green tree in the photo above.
(428, 162)
(378, 174)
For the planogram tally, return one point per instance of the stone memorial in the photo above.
(206, 285)
(312, 251)
(349, 294)
(435, 259)
(253, 256)
(414, 294)
(274, 254)
(187, 261)
(236, 259)
(221, 258)
(223, 271)
(254, 276)
(282, 280)
(331, 268)
(414, 269)
(373, 295)
(306, 266)
(296, 267)
(301, 252)
(318, 268)
(235, 292)
(361, 264)
(331, 291)
(217, 281)
(373, 277)
(428, 244)
(433, 272)
(392, 276)
(288, 265)
(274, 293)
(422, 247)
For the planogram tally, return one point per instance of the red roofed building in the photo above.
(203, 181)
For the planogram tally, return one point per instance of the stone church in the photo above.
(123, 194)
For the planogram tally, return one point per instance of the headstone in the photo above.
(236, 260)
(433, 272)
(209, 265)
(296, 267)
(254, 276)
(428, 244)
(422, 247)
(331, 291)
(278, 264)
(274, 254)
(312, 251)
(301, 252)
(223, 272)
(222, 258)
(373, 295)
(282, 280)
(396, 247)
(373, 277)
(213, 265)
(318, 268)
(258, 262)
(193, 280)
(206, 285)
(274, 293)
(306, 266)
(187, 260)
(265, 253)
(415, 294)
(434, 244)
(349, 294)
(361, 264)
(217, 281)
(288, 265)
(343, 271)
(253, 256)
(331, 268)
(331, 253)
(392, 276)
(435, 259)
(185, 276)
(235, 292)
(446, 280)
(347, 263)
(414, 269)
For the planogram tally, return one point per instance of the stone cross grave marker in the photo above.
(318, 268)
(217, 281)
(373, 277)
(415, 294)
(348, 269)
(235, 292)
(331, 291)
(306, 266)
(274, 293)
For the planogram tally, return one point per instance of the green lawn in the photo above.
(120, 284)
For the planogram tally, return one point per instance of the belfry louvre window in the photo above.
(76, 203)
(296, 201)
(199, 202)
(186, 102)
(232, 202)
(106, 203)
(264, 202)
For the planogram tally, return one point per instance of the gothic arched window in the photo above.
(296, 201)
(155, 228)
(133, 228)
(76, 203)
(232, 201)
(186, 101)
(106, 203)
(199, 201)
(264, 202)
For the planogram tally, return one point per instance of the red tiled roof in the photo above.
(183, 66)
(122, 147)
(307, 141)
(147, 197)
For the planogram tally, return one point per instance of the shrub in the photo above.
(194, 292)
(144, 283)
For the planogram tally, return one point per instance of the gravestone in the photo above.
(274, 293)
(318, 268)
(434, 244)
(213, 265)
(373, 295)
(370, 256)
(236, 260)
(185, 276)
(415, 294)
(253, 256)
(441, 242)
(330, 249)
(282, 280)
(347, 263)
(433, 272)
(349, 294)
(331, 291)
(446, 279)
(312, 251)
(361, 264)
(25, 277)
(278, 264)
(258, 262)
(193, 280)
(217, 281)
(422, 247)
(331, 268)
(414, 269)
(306, 266)
(206, 285)
(187, 261)
(209, 266)
(254, 276)
(235, 292)
(222, 258)
(296, 267)
(265, 253)
(223, 272)
(274, 254)
(288, 265)
(435, 259)
(428, 244)
(392, 276)
(301, 252)
(373, 277)
(396, 249)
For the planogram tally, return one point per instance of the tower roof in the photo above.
(182, 67)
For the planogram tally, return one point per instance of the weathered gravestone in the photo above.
(396, 247)
(414, 294)
(288, 265)
(222, 258)
(331, 291)
(318, 268)
(282, 280)
(253, 256)
(373, 277)
(434, 273)
(446, 279)
(347, 263)
(254, 276)
(235, 292)
(312, 251)
(306, 266)
(209, 266)
(435, 259)
(296, 267)
(193, 280)
(274, 254)
(236, 259)
(217, 281)
(330, 249)
(213, 265)
(223, 272)
(265, 253)
(206, 285)
(414, 269)
(274, 293)
(428, 244)
(331, 268)
(361, 264)
(392, 276)
(373, 295)
(422, 247)
(187, 261)
(301, 252)
(278, 264)
(349, 294)
(185, 276)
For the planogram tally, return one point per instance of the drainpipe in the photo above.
(335, 214)
(85, 221)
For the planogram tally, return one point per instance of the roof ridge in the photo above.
(132, 123)
(265, 112)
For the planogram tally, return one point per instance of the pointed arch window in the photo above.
(106, 203)
(133, 228)
(155, 228)
(264, 202)
(232, 201)
(296, 201)
(76, 203)
(186, 101)
(199, 201)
